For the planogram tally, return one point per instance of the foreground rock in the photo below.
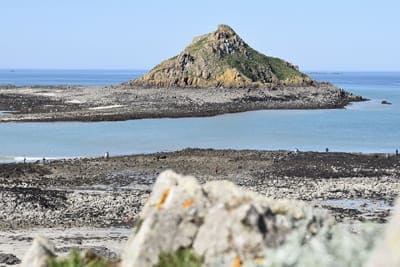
(388, 252)
(218, 224)
(39, 253)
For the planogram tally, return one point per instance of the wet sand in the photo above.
(72, 196)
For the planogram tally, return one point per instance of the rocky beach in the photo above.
(94, 202)
(74, 103)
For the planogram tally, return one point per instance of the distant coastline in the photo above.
(116, 103)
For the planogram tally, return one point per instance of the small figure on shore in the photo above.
(106, 155)
(216, 169)
(326, 150)
(44, 160)
(397, 152)
(24, 160)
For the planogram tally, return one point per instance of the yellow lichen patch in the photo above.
(163, 198)
(296, 80)
(259, 260)
(237, 262)
(231, 77)
(187, 203)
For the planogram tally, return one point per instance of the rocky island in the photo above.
(222, 59)
(217, 73)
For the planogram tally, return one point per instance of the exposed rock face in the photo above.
(222, 58)
(219, 224)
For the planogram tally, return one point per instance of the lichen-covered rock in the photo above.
(220, 224)
(168, 221)
(39, 253)
(221, 58)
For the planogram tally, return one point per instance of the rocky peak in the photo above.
(221, 59)
(225, 32)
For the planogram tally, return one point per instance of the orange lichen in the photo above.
(259, 260)
(237, 262)
(187, 203)
(163, 198)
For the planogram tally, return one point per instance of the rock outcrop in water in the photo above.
(222, 58)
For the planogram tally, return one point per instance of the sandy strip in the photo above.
(107, 107)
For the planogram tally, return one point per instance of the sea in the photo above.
(365, 127)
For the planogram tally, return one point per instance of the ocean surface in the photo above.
(21, 77)
(361, 127)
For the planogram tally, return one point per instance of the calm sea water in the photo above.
(22, 77)
(361, 127)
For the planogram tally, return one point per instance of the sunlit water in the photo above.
(21, 77)
(361, 127)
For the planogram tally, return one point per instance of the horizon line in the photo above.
(143, 69)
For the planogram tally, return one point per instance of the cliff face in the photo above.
(221, 58)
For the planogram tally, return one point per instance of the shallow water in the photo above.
(4, 112)
(361, 127)
(358, 204)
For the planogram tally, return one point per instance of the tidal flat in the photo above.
(87, 198)
(124, 102)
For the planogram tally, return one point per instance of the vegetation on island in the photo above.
(222, 59)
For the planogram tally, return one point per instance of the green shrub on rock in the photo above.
(183, 257)
(76, 259)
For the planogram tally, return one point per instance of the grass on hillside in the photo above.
(244, 65)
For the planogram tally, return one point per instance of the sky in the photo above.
(330, 35)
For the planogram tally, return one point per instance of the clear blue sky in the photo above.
(128, 34)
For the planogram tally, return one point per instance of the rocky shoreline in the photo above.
(100, 194)
(109, 192)
(115, 103)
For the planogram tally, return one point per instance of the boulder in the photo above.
(9, 259)
(385, 102)
(220, 224)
